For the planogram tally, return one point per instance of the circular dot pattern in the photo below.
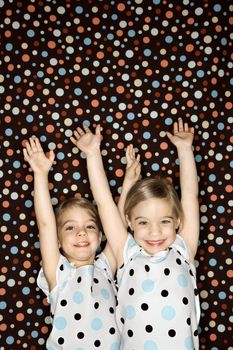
(135, 67)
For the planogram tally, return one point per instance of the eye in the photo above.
(70, 228)
(142, 223)
(91, 227)
(166, 221)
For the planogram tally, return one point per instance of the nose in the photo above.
(82, 232)
(155, 230)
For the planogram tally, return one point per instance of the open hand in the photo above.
(35, 156)
(133, 165)
(182, 134)
(86, 141)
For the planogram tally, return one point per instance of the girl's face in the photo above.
(78, 236)
(153, 224)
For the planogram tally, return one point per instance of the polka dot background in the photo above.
(134, 66)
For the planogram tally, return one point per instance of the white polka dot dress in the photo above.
(82, 307)
(158, 304)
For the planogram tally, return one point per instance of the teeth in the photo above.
(82, 244)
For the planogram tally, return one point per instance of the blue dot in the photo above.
(34, 334)
(168, 312)
(76, 175)
(105, 293)
(155, 166)
(115, 346)
(26, 291)
(155, 84)
(212, 262)
(3, 305)
(16, 164)
(189, 343)
(220, 209)
(182, 280)
(150, 345)
(78, 297)
(148, 285)
(10, 340)
(96, 324)
(14, 250)
(222, 295)
(130, 312)
(60, 323)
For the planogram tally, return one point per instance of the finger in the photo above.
(180, 124)
(51, 155)
(192, 130)
(73, 140)
(169, 135)
(77, 135)
(86, 128)
(37, 144)
(98, 129)
(186, 127)
(28, 148)
(33, 144)
(175, 128)
(80, 131)
(25, 154)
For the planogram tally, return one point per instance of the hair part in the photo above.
(153, 188)
(81, 203)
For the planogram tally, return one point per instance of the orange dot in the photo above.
(23, 228)
(164, 63)
(95, 103)
(121, 6)
(27, 264)
(2, 291)
(5, 204)
(20, 316)
(51, 101)
(145, 122)
(51, 44)
(118, 115)
(190, 103)
(169, 14)
(211, 165)
(31, 8)
(79, 111)
(75, 162)
(7, 237)
(148, 155)
(149, 72)
(95, 20)
(164, 145)
(120, 145)
(121, 62)
(100, 55)
(189, 47)
(120, 89)
(168, 97)
(50, 128)
(211, 249)
(214, 283)
(213, 336)
(119, 32)
(213, 197)
(50, 70)
(119, 172)
(7, 119)
(3, 327)
(25, 58)
(44, 330)
(29, 178)
(229, 188)
(228, 105)
(30, 93)
(52, 18)
(10, 67)
(230, 273)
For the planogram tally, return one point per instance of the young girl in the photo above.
(79, 287)
(158, 307)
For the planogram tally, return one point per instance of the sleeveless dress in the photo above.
(82, 307)
(158, 304)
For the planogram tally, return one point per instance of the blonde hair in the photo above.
(153, 188)
(81, 203)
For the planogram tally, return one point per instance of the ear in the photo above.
(128, 221)
(100, 237)
(177, 223)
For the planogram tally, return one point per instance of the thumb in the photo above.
(51, 155)
(169, 135)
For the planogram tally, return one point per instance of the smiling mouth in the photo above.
(155, 243)
(81, 244)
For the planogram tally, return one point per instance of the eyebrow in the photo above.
(74, 221)
(163, 217)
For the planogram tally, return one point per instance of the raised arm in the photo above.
(40, 165)
(182, 138)
(113, 226)
(132, 174)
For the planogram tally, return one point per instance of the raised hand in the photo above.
(133, 165)
(86, 141)
(182, 134)
(35, 156)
